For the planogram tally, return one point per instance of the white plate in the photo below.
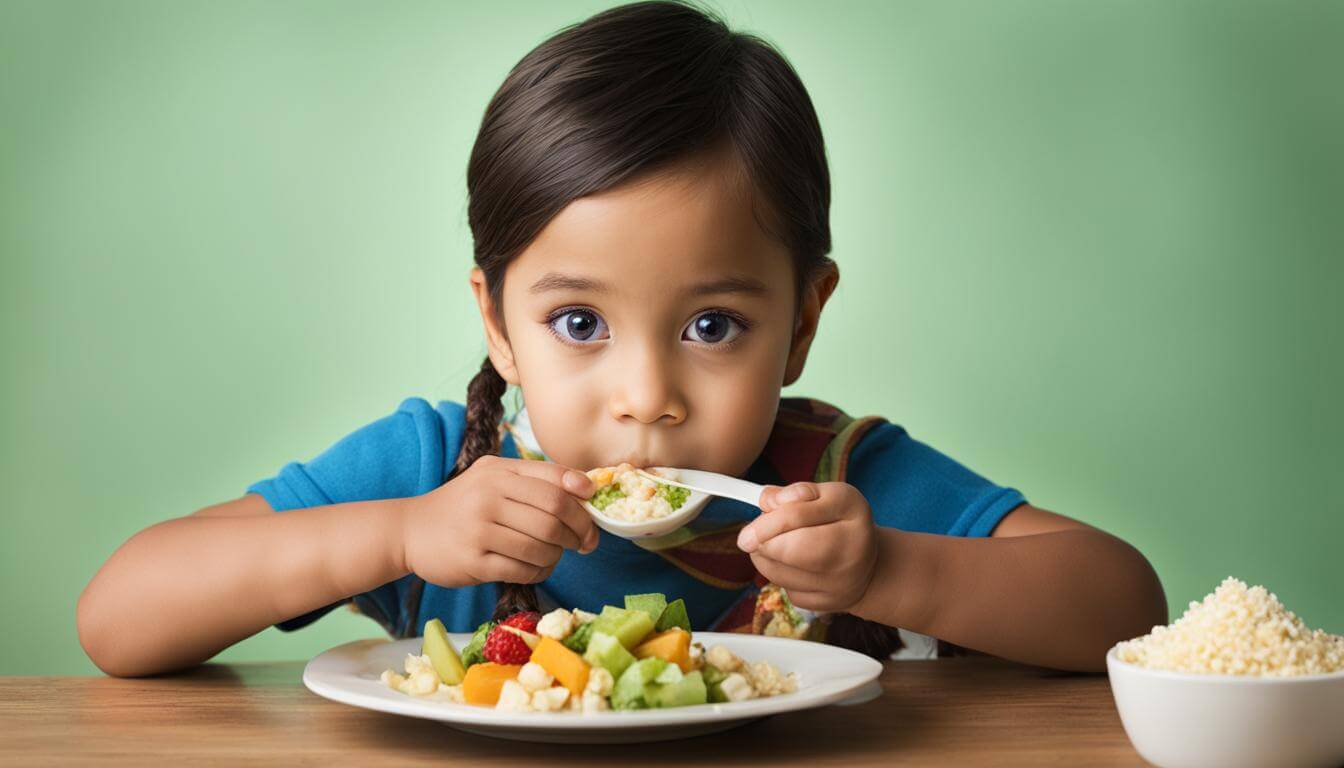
(826, 675)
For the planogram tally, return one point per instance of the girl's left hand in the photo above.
(817, 541)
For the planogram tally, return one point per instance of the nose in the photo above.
(646, 389)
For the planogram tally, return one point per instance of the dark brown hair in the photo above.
(627, 93)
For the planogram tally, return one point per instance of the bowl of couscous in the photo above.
(1237, 681)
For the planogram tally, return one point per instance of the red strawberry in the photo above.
(524, 620)
(505, 647)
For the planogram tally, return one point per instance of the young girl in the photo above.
(649, 203)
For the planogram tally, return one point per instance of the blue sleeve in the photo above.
(911, 486)
(408, 453)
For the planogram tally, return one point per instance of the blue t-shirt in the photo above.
(908, 485)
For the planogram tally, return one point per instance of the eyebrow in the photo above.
(554, 281)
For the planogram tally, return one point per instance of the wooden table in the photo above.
(961, 712)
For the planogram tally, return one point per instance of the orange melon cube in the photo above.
(568, 668)
(483, 681)
(672, 646)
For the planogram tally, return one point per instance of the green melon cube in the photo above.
(653, 604)
(688, 691)
(607, 652)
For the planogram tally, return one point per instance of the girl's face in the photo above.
(654, 324)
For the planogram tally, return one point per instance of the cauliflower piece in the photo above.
(767, 680)
(600, 682)
(392, 679)
(422, 683)
(550, 699)
(724, 659)
(513, 697)
(582, 617)
(416, 663)
(534, 677)
(593, 702)
(557, 624)
(736, 688)
(451, 693)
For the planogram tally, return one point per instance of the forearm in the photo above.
(1057, 599)
(178, 592)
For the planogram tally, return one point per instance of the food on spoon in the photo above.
(528, 663)
(626, 495)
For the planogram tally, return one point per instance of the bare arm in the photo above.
(179, 592)
(1043, 590)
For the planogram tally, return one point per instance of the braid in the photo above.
(867, 637)
(485, 408)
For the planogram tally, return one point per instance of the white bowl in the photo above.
(1184, 720)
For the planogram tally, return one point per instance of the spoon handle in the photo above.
(713, 484)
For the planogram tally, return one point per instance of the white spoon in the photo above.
(702, 485)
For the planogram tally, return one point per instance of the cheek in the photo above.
(735, 408)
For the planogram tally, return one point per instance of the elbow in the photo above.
(99, 638)
(1136, 600)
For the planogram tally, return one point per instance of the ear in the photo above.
(816, 291)
(496, 340)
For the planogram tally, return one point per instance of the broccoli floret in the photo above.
(674, 495)
(603, 498)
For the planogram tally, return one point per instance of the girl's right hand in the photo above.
(505, 520)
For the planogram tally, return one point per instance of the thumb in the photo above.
(768, 501)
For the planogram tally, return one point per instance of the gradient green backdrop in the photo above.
(1090, 249)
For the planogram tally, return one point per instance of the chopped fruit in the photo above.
(527, 637)
(688, 691)
(629, 627)
(524, 620)
(674, 616)
(606, 652)
(638, 657)
(672, 646)
(473, 653)
(653, 604)
(629, 690)
(483, 682)
(441, 654)
(569, 670)
(508, 643)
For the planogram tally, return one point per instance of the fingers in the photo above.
(537, 524)
(522, 547)
(790, 577)
(496, 567)
(783, 520)
(571, 480)
(563, 508)
(775, 496)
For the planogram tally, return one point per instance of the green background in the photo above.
(1090, 249)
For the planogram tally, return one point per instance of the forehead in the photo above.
(694, 221)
